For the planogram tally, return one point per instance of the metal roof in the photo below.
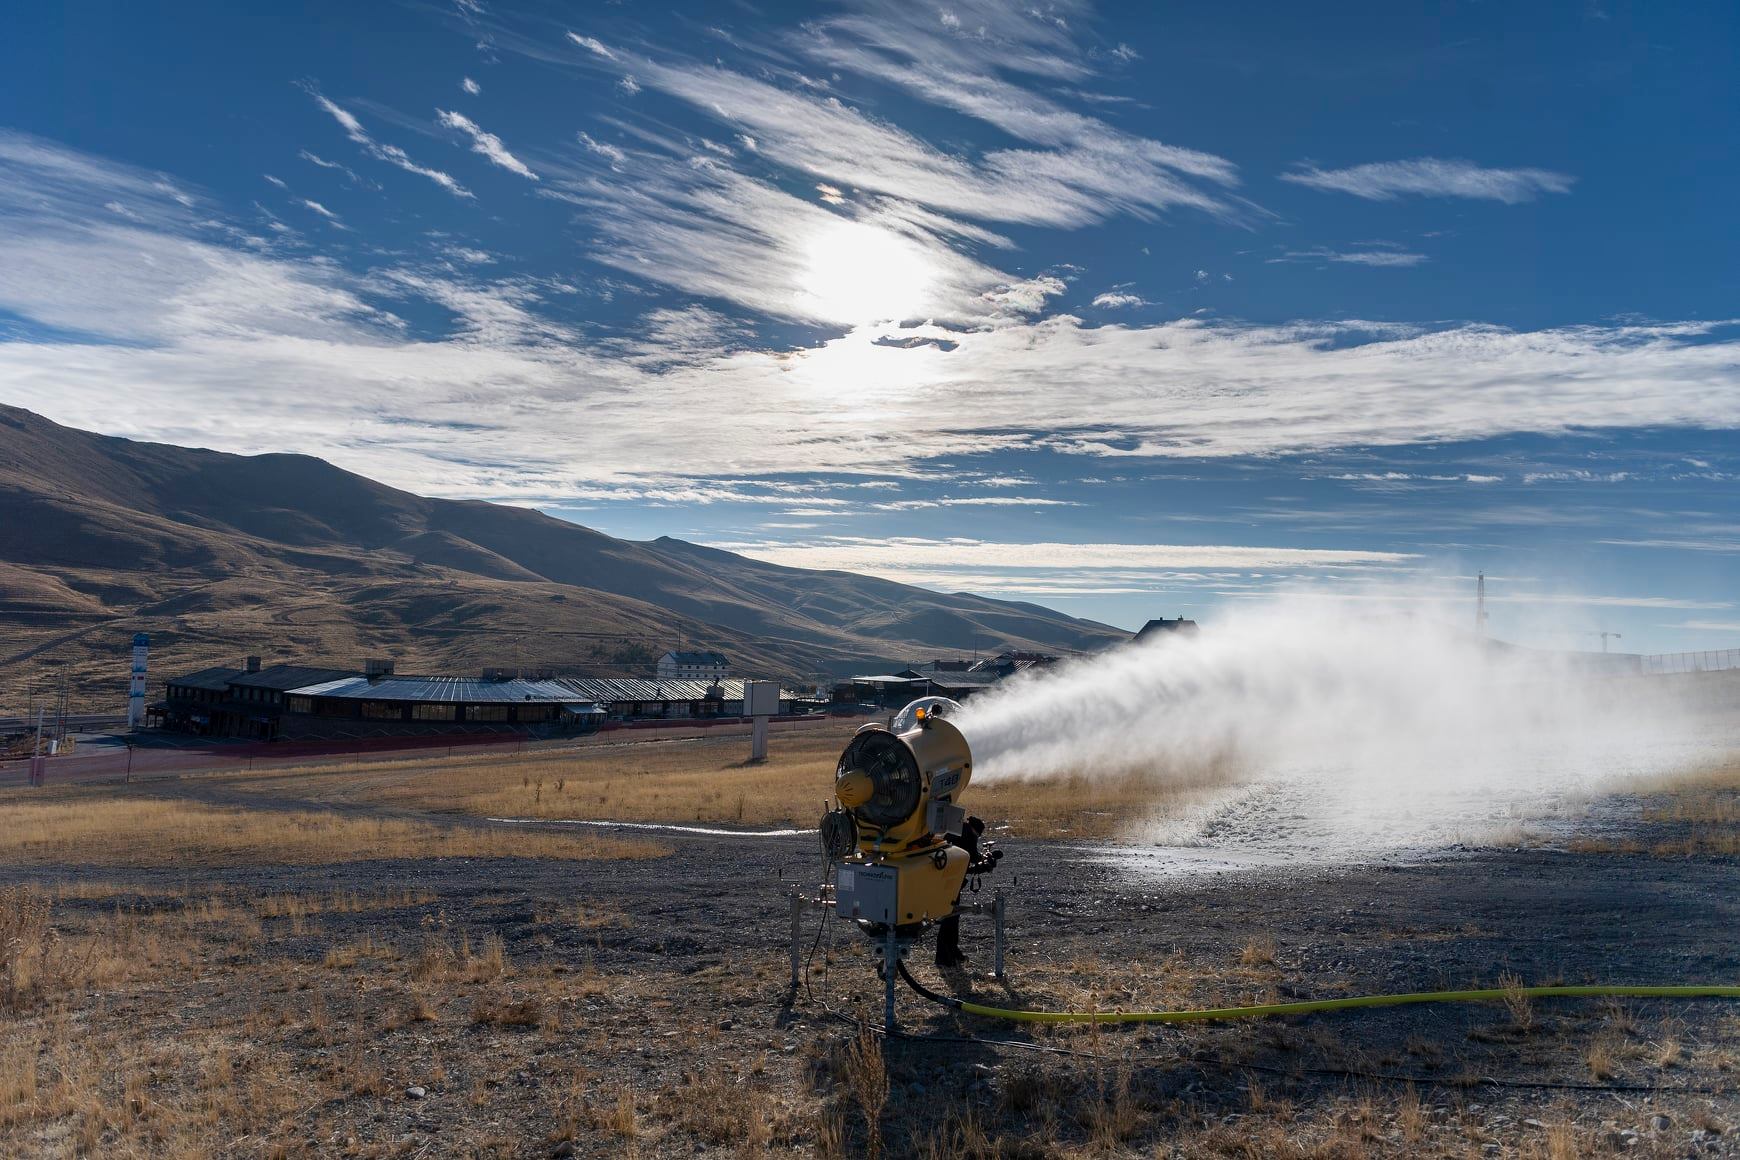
(216, 679)
(963, 680)
(475, 691)
(608, 689)
(950, 678)
(288, 677)
(457, 690)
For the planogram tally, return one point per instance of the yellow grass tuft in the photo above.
(96, 830)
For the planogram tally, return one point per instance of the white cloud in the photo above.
(628, 85)
(331, 217)
(1432, 177)
(487, 144)
(277, 181)
(1382, 258)
(471, 86)
(900, 555)
(592, 45)
(351, 174)
(391, 154)
(696, 224)
(907, 505)
(1680, 544)
(210, 341)
(1119, 300)
(610, 152)
(1081, 170)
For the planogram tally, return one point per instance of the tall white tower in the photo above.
(1480, 606)
(136, 686)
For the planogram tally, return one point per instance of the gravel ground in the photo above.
(658, 1019)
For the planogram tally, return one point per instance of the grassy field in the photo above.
(710, 781)
(94, 828)
(272, 971)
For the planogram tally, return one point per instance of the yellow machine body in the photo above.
(899, 789)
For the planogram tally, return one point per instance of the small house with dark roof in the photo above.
(1163, 626)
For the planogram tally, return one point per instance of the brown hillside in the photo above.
(219, 555)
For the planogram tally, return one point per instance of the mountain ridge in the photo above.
(288, 555)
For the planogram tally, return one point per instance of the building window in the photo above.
(382, 711)
(527, 713)
(486, 712)
(302, 704)
(434, 712)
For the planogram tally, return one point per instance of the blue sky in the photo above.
(1131, 311)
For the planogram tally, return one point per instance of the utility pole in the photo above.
(1604, 636)
(1480, 605)
(36, 751)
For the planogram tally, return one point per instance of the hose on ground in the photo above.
(1311, 1006)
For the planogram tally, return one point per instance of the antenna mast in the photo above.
(1480, 606)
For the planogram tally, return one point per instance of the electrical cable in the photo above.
(1310, 1006)
(1272, 1069)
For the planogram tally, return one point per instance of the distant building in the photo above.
(693, 666)
(957, 679)
(295, 702)
(1163, 626)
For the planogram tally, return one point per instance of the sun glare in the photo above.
(858, 273)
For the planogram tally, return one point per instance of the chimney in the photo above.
(253, 664)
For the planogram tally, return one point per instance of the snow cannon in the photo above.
(902, 848)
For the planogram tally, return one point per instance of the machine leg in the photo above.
(997, 922)
(890, 957)
(797, 935)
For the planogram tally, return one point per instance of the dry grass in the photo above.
(709, 781)
(867, 1079)
(1517, 1002)
(91, 828)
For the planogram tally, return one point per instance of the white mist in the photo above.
(1349, 726)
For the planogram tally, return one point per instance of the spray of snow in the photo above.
(1336, 728)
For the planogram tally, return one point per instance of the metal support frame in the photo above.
(890, 960)
(892, 950)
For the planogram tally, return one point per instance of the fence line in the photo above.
(1708, 661)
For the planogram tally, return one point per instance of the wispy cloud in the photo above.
(1028, 501)
(471, 86)
(1432, 177)
(331, 217)
(1119, 300)
(193, 319)
(1079, 169)
(696, 223)
(487, 144)
(1393, 259)
(391, 154)
(350, 174)
(954, 560)
(1724, 547)
(592, 44)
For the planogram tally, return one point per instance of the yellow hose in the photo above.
(1309, 1006)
